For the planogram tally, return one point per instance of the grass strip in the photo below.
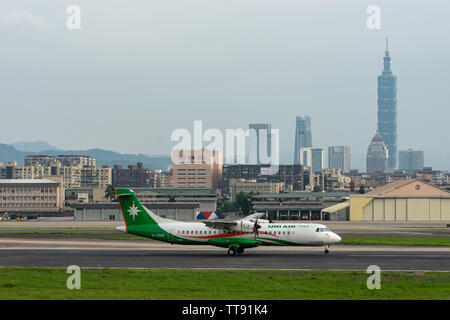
(50, 283)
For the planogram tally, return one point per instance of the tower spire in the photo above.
(387, 43)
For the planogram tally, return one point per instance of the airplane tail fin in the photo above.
(134, 213)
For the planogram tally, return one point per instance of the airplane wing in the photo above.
(224, 225)
(254, 216)
(228, 225)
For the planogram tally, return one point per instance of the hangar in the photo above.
(403, 200)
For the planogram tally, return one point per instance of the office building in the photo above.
(303, 136)
(377, 155)
(135, 176)
(259, 143)
(318, 160)
(306, 157)
(339, 158)
(387, 109)
(411, 160)
(197, 169)
(252, 186)
(293, 177)
(31, 197)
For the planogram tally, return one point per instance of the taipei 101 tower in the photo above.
(387, 109)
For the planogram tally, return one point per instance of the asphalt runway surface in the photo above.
(141, 254)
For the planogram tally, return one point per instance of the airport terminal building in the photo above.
(403, 200)
(31, 197)
(303, 205)
(173, 203)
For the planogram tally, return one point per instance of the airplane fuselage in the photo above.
(270, 234)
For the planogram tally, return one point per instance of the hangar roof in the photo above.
(408, 188)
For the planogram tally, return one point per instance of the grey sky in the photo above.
(137, 70)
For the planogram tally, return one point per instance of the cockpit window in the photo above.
(322, 230)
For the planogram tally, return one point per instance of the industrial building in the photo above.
(403, 200)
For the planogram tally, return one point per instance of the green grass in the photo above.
(50, 283)
(398, 241)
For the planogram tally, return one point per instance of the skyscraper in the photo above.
(312, 158)
(303, 136)
(318, 159)
(387, 108)
(377, 155)
(260, 145)
(411, 160)
(339, 158)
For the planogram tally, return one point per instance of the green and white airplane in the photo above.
(236, 236)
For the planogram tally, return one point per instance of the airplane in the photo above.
(236, 236)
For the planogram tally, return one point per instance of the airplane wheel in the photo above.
(240, 250)
(232, 251)
(327, 251)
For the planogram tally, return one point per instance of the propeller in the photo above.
(256, 226)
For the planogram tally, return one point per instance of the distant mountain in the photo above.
(9, 153)
(37, 146)
(103, 157)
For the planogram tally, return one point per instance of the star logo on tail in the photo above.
(134, 211)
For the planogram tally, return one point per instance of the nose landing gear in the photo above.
(326, 251)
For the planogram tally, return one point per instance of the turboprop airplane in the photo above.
(238, 235)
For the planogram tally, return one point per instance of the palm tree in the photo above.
(110, 193)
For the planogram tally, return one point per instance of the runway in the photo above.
(143, 254)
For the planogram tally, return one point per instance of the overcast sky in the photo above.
(137, 70)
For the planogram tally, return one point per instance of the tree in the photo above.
(362, 189)
(317, 188)
(225, 205)
(110, 193)
(243, 203)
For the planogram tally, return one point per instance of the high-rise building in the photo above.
(260, 138)
(66, 160)
(197, 169)
(318, 160)
(339, 158)
(305, 157)
(135, 176)
(303, 136)
(293, 177)
(387, 108)
(312, 158)
(411, 160)
(377, 155)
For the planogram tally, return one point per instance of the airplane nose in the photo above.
(337, 238)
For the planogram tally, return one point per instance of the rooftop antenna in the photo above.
(387, 44)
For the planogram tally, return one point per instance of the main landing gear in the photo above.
(232, 251)
(326, 250)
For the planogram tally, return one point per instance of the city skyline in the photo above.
(290, 71)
